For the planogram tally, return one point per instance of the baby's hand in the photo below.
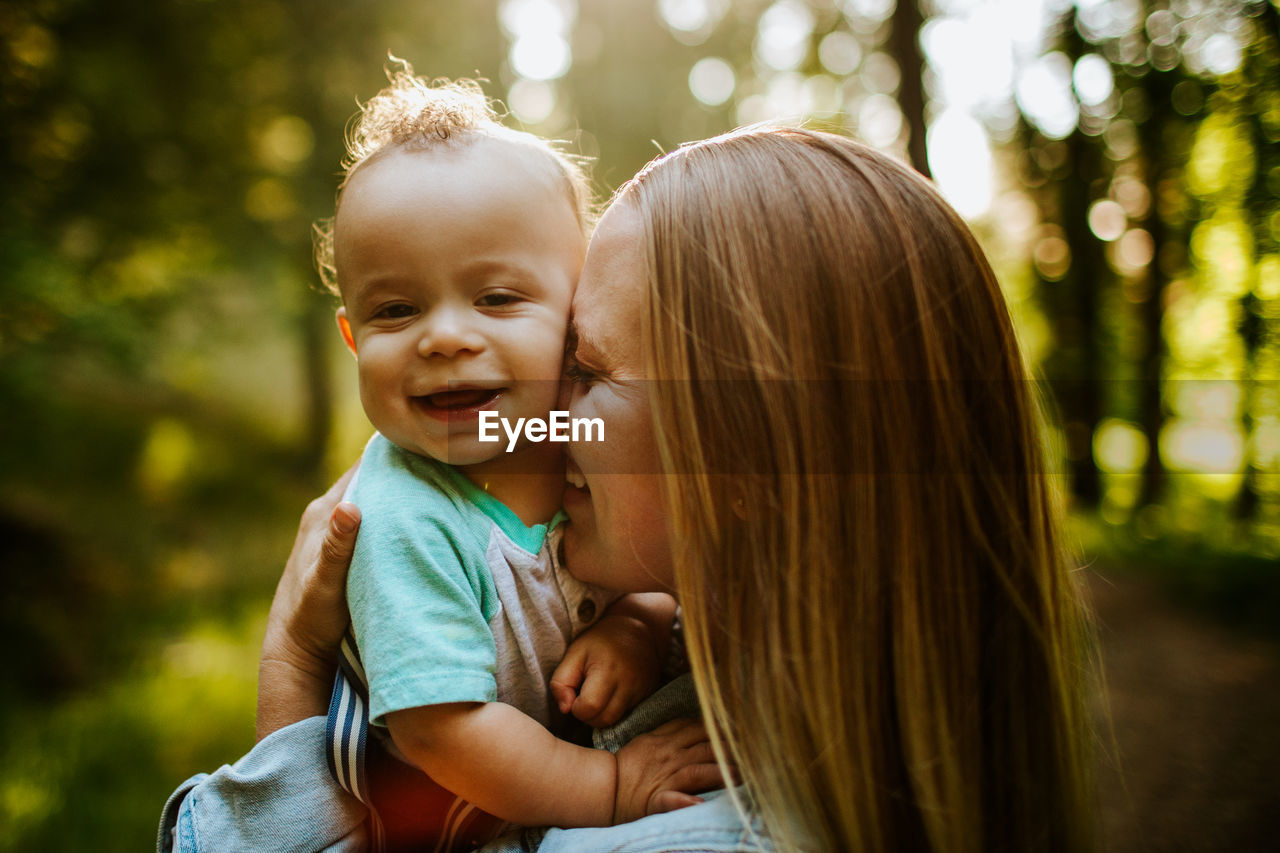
(662, 770)
(606, 671)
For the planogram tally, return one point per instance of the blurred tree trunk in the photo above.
(1151, 360)
(1078, 328)
(1260, 205)
(1074, 364)
(315, 318)
(904, 44)
(1251, 329)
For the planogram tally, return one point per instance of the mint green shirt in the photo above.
(452, 597)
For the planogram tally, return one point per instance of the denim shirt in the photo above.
(713, 826)
(280, 797)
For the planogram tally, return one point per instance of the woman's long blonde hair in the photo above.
(881, 620)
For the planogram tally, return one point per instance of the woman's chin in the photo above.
(574, 554)
(587, 560)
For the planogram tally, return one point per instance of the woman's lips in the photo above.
(457, 404)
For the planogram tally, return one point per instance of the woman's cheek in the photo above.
(628, 447)
(648, 534)
(625, 541)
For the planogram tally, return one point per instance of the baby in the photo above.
(455, 249)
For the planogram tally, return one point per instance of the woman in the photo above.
(881, 625)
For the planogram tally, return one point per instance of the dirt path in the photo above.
(1196, 715)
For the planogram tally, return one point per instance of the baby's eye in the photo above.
(497, 300)
(395, 311)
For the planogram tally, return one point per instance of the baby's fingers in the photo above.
(614, 711)
(566, 680)
(596, 695)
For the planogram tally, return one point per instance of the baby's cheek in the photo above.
(546, 351)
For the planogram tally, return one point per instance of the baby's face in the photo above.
(457, 269)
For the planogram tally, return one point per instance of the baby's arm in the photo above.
(505, 763)
(615, 664)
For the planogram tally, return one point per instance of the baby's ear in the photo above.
(345, 328)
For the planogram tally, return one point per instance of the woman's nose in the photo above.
(448, 333)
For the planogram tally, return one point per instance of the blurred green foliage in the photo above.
(173, 392)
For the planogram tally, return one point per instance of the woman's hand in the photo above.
(308, 614)
(662, 770)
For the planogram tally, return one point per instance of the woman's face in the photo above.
(617, 535)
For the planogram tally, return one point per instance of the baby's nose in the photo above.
(447, 333)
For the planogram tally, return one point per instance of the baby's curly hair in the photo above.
(417, 114)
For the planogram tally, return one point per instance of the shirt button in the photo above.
(586, 610)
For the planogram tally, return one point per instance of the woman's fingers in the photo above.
(669, 801)
(320, 617)
(697, 777)
(664, 769)
(684, 732)
(308, 613)
(339, 544)
(321, 521)
(701, 752)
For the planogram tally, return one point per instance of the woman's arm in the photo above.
(278, 797)
(308, 614)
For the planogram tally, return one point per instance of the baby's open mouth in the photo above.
(460, 399)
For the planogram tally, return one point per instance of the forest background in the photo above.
(173, 389)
